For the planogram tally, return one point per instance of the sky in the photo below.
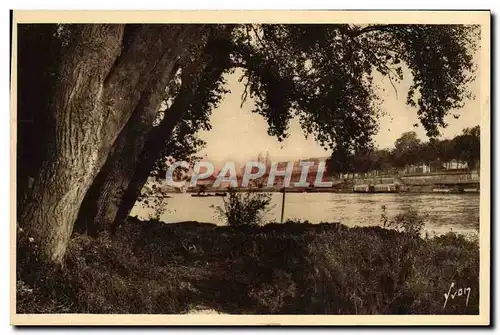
(238, 134)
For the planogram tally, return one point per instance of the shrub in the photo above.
(409, 222)
(244, 208)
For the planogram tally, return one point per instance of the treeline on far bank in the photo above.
(409, 152)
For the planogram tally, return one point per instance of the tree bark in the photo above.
(101, 78)
(101, 202)
(127, 170)
(154, 147)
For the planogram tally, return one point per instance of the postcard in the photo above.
(250, 168)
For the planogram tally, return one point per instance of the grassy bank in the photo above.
(149, 267)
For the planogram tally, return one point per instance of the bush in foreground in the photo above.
(244, 208)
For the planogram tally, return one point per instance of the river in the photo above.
(443, 212)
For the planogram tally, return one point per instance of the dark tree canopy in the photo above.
(323, 75)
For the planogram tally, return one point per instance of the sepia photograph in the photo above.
(258, 167)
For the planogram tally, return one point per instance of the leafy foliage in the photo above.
(323, 74)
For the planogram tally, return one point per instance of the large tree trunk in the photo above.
(101, 202)
(138, 148)
(101, 78)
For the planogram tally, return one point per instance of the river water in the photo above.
(443, 212)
